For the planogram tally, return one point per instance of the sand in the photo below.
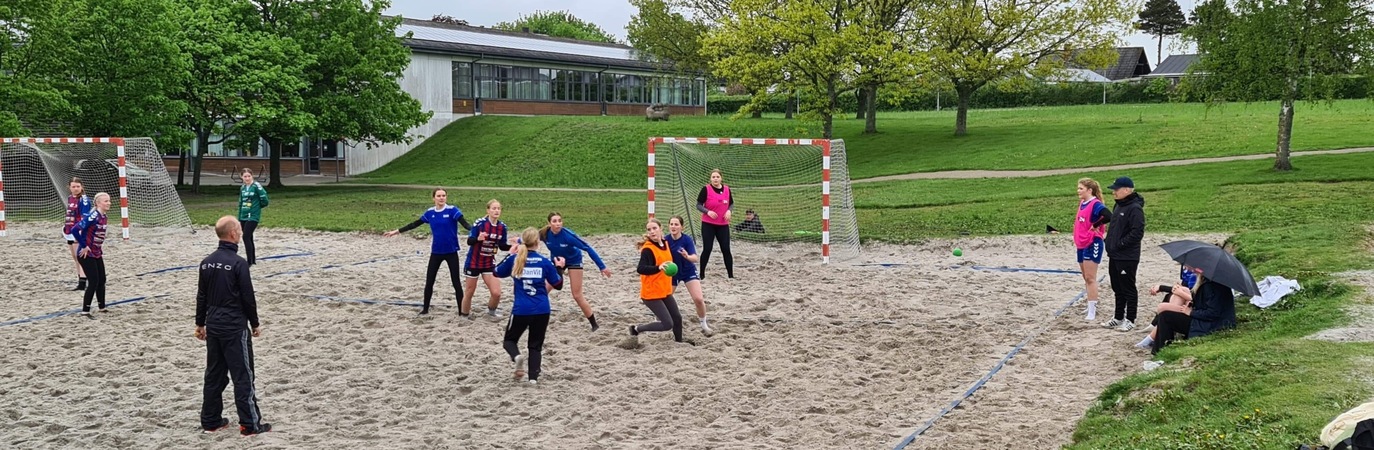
(804, 355)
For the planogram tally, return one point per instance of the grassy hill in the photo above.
(609, 152)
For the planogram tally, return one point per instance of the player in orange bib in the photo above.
(655, 286)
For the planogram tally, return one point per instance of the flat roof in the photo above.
(479, 41)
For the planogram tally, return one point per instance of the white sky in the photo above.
(613, 15)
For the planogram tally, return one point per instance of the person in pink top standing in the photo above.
(1089, 227)
(715, 202)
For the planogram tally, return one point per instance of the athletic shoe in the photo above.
(223, 423)
(260, 429)
(534, 382)
(1127, 326)
(519, 366)
(424, 312)
(494, 313)
(87, 314)
(1111, 324)
(103, 309)
(705, 329)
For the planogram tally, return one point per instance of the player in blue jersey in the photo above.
(443, 220)
(487, 235)
(534, 275)
(684, 251)
(564, 243)
(78, 207)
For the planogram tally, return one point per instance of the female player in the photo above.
(91, 242)
(443, 220)
(78, 206)
(714, 202)
(1089, 226)
(487, 235)
(533, 275)
(563, 243)
(655, 286)
(252, 199)
(685, 256)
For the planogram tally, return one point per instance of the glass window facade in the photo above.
(495, 81)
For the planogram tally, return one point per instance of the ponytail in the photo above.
(528, 239)
(544, 230)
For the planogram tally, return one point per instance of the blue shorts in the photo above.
(684, 277)
(1092, 253)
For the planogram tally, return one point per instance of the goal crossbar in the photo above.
(123, 173)
(825, 163)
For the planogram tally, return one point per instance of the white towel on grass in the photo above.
(1272, 289)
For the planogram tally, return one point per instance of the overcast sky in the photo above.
(613, 15)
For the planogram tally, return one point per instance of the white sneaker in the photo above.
(1127, 326)
(1111, 324)
(520, 366)
(534, 382)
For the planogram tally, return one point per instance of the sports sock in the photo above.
(592, 320)
(1145, 343)
(1092, 310)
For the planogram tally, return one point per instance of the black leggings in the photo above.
(248, 227)
(537, 324)
(95, 282)
(1170, 323)
(669, 318)
(433, 270)
(709, 234)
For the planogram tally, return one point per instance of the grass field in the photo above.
(610, 151)
(1260, 386)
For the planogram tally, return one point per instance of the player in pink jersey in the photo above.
(715, 202)
(1089, 226)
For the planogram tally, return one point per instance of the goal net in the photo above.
(35, 173)
(797, 189)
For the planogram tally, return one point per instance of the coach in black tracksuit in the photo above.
(1123, 251)
(225, 311)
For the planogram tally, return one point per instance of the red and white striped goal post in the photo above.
(825, 172)
(123, 175)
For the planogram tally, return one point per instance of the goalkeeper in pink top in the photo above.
(1089, 226)
(715, 202)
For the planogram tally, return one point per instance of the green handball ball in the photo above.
(670, 269)
(958, 252)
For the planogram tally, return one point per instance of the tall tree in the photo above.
(661, 32)
(24, 92)
(559, 24)
(239, 75)
(120, 64)
(1161, 18)
(975, 42)
(352, 70)
(1288, 50)
(814, 41)
(886, 54)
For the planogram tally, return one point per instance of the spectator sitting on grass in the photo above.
(751, 223)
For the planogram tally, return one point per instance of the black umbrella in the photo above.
(1216, 264)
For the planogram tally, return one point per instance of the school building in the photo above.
(458, 71)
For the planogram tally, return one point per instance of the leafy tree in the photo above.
(352, 68)
(1161, 18)
(559, 24)
(24, 93)
(1281, 49)
(885, 53)
(445, 18)
(800, 45)
(661, 32)
(975, 42)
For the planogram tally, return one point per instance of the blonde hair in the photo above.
(528, 239)
(1093, 187)
(100, 196)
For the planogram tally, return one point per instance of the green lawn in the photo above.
(561, 151)
(1260, 386)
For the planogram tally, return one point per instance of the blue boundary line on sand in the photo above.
(984, 268)
(981, 381)
(178, 268)
(55, 315)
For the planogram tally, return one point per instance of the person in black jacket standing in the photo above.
(227, 320)
(1123, 251)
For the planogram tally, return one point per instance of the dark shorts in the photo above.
(684, 277)
(71, 242)
(475, 273)
(564, 270)
(1092, 253)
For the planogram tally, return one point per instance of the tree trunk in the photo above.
(871, 122)
(828, 113)
(274, 149)
(1159, 51)
(861, 99)
(758, 113)
(1281, 161)
(202, 144)
(790, 107)
(181, 167)
(961, 118)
